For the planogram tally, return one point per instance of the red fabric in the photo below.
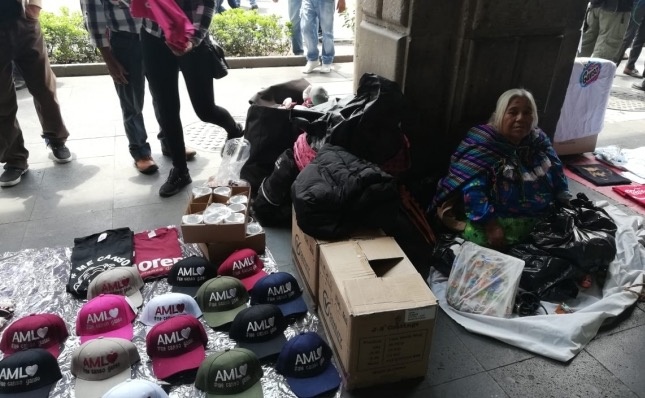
(155, 252)
(400, 162)
(302, 152)
(176, 26)
(635, 192)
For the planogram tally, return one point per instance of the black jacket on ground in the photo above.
(338, 192)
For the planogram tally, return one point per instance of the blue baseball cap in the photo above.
(280, 289)
(305, 362)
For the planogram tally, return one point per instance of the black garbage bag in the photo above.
(548, 277)
(443, 255)
(272, 205)
(582, 234)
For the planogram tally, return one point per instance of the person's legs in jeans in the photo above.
(326, 12)
(611, 33)
(126, 48)
(309, 24)
(296, 30)
(195, 68)
(31, 57)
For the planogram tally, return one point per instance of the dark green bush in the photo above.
(66, 38)
(248, 34)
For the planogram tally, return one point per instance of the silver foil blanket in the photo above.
(35, 280)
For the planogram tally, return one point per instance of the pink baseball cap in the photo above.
(46, 331)
(175, 345)
(108, 315)
(244, 265)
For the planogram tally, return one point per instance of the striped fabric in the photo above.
(483, 151)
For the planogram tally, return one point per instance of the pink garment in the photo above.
(302, 152)
(174, 23)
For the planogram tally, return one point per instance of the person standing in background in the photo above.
(312, 13)
(21, 42)
(293, 8)
(634, 38)
(162, 62)
(606, 22)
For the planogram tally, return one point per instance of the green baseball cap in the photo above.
(221, 299)
(234, 372)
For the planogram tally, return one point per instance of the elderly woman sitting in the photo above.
(505, 174)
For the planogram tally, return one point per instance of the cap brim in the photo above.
(249, 281)
(308, 387)
(164, 367)
(87, 388)
(126, 332)
(266, 349)
(218, 319)
(42, 392)
(255, 391)
(136, 300)
(294, 308)
(189, 290)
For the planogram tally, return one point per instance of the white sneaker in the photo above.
(311, 65)
(325, 68)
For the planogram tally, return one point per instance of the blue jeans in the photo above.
(296, 29)
(311, 12)
(126, 48)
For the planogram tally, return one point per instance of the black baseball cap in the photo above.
(260, 328)
(187, 275)
(29, 374)
(281, 289)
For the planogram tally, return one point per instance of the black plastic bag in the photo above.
(272, 205)
(443, 255)
(544, 275)
(583, 234)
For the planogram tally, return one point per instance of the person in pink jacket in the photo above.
(21, 42)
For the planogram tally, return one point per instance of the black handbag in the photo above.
(220, 66)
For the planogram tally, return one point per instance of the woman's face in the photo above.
(517, 120)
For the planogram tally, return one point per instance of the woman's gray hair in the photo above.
(505, 99)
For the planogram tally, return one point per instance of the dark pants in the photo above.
(126, 48)
(634, 38)
(162, 69)
(21, 41)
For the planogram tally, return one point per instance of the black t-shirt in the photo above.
(9, 10)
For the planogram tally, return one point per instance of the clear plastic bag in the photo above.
(483, 281)
(236, 152)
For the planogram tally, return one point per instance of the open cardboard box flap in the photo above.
(392, 293)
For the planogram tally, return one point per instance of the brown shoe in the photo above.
(190, 152)
(146, 165)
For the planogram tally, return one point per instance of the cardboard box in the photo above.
(305, 251)
(377, 311)
(576, 146)
(217, 252)
(211, 233)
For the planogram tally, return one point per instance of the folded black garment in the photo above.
(599, 174)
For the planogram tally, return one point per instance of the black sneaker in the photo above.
(255, 7)
(59, 150)
(175, 182)
(11, 176)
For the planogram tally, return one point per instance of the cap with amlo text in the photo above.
(245, 265)
(136, 388)
(101, 364)
(29, 374)
(108, 315)
(260, 328)
(187, 275)
(221, 299)
(123, 281)
(46, 331)
(168, 305)
(305, 361)
(175, 345)
(281, 289)
(234, 373)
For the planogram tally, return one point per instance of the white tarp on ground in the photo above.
(561, 337)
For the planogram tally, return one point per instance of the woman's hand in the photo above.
(32, 12)
(495, 235)
(178, 51)
(340, 6)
